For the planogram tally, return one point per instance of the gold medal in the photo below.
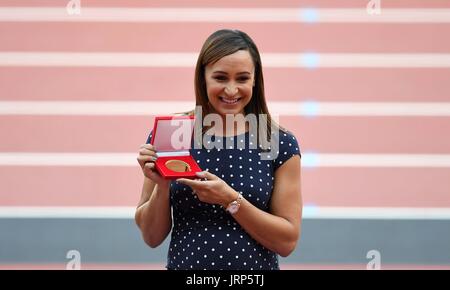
(178, 166)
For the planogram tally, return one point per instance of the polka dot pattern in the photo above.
(205, 236)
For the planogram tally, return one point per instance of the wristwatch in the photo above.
(233, 206)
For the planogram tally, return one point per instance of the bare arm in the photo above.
(278, 230)
(153, 213)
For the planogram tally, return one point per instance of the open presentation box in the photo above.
(172, 137)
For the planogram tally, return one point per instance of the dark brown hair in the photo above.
(222, 43)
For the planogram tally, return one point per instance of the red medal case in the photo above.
(172, 137)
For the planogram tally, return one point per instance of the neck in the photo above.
(236, 128)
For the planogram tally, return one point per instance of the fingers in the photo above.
(150, 171)
(199, 182)
(191, 183)
(196, 185)
(148, 147)
(149, 166)
(147, 153)
(146, 158)
(206, 174)
(147, 150)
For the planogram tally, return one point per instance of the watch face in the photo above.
(233, 208)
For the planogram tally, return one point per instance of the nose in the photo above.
(231, 90)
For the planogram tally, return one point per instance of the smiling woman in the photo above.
(244, 209)
(229, 82)
(228, 76)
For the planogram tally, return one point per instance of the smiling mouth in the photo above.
(229, 101)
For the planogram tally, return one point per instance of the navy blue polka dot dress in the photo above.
(205, 236)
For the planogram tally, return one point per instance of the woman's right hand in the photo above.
(146, 158)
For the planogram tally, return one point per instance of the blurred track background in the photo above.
(367, 95)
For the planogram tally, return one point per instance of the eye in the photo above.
(243, 79)
(220, 78)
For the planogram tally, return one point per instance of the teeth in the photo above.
(230, 101)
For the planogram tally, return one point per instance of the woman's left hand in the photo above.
(213, 190)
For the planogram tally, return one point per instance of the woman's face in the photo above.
(229, 82)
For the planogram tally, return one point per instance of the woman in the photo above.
(243, 211)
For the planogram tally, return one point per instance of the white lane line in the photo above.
(394, 213)
(375, 160)
(147, 108)
(309, 160)
(97, 59)
(118, 212)
(188, 59)
(94, 108)
(363, 108)
(223, 15)
(309, 212)
(67, 159)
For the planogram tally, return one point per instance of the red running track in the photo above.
(270, 37)
(282, 84)
(395, 135)
(121, 186)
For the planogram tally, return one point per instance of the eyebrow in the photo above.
(239, 73)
